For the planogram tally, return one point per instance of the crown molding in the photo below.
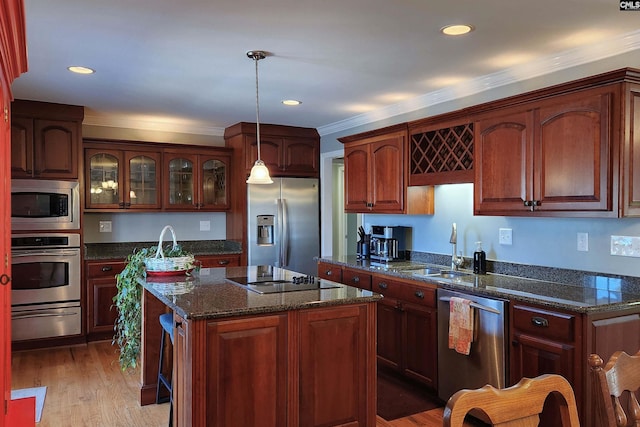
(541, 66)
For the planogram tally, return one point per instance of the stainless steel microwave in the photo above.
(45, 205)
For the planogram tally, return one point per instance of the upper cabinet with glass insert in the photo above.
(196, 179)
(124, 178)
(150, 176)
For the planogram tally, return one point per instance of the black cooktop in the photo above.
(271, 285)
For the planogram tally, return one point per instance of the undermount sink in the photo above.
(438, 272)
(451, 274)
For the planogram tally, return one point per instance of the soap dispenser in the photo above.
(479, 260)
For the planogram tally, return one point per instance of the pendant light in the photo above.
(259, 172)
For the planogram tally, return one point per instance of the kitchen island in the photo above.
(285, 357)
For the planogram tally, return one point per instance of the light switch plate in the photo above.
(583, 242)
(625, 246)
(205, 225)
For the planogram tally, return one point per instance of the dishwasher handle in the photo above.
(475, 305)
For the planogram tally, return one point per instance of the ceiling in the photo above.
(182, 65)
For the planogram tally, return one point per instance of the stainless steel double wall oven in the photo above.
(46, 265)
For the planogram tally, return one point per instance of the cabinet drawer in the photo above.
(330, 272)
(356, 278)
(421, 295)
(549, 324)
(388, 287)
(104, 268)
(214, 261)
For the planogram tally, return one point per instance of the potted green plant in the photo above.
(128, 302)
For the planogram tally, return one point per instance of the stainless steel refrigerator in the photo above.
(284, 224)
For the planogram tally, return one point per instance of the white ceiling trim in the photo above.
(607, 48)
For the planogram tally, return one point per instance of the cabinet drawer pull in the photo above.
(419, 294)
(328, 272)
(223, 262)
(540, 322)
(356, 279)
(383, 285)
(107, 268)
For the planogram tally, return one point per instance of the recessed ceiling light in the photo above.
(291, 102)
(456, 30)
(80, 70)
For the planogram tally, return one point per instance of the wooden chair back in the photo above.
(517, 406)
(615, 386)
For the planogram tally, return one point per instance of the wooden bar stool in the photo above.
(166, 321)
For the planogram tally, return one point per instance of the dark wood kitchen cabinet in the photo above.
(374, 171)
(407, 328)
(120, 176)
(309, 367)
(196, 179)
(552, 155)
(101, 288)
(45, 140)
(285, 150)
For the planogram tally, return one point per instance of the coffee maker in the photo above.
(388, 243)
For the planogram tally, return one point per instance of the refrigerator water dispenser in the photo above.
(265, 230)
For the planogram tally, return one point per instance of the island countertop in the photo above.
(212, 294)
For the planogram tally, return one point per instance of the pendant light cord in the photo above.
(256, 59)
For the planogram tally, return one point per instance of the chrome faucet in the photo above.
(456, 261)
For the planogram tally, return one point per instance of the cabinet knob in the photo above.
(356, 279)
(223, 262)
(328, 272)
(107, 268)
(419, 294)
(383, 285)
(121, 204)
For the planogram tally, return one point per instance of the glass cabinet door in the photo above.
(214, 183)
(181, 181)
(143, 188)
(103, 183)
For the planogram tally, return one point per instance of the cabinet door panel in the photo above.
(270, 153)
(574, 150)
(21, 147)
(142, 189)
(420, 343)
(533, 356)
(301, 157)
(247, 361)
(631, 158)
(180, 181)
(356, 178)
(55, 149)
(103, 187)
(389, 333)
(387, 175)
(503, 162)
(333, 393)
(214, 179)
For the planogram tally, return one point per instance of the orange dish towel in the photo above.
(460, 325)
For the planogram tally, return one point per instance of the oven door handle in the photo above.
(57, 252)
(31, 314)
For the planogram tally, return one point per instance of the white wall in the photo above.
(550, 242)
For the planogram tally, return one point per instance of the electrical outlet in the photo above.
(583, 242)
(205, 225)
(105, 226)
(505, 236)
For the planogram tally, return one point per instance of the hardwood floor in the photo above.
(86, 388)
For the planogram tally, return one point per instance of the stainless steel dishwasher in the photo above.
(487, 361)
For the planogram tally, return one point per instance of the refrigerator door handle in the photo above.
(284, 235)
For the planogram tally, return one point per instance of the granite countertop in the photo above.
(587, 293)
(210, 295)
(98, 251)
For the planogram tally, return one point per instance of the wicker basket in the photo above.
(166, 265)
